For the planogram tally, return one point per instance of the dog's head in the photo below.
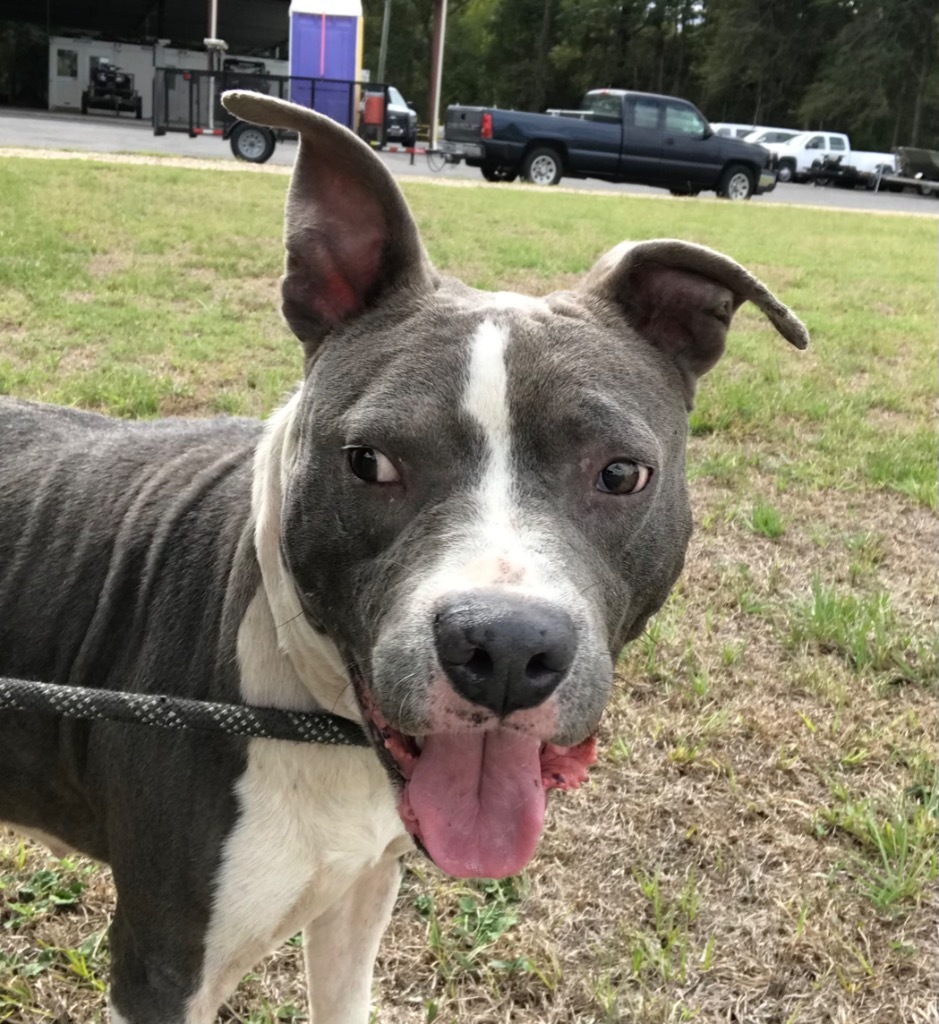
(483, 494)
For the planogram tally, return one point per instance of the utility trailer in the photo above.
(832, 170)
(919, 170)
(190, 101)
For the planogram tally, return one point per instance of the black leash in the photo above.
(167, 712)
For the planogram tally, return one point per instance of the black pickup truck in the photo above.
(635, 137)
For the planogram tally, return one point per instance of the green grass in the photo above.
(760, 832)
(896, 858)
(80, 298)
(766, 519)
(866, 632)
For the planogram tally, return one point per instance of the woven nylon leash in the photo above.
(167, 712)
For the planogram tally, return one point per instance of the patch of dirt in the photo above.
(107, 264)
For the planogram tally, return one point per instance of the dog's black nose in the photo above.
(503, 651)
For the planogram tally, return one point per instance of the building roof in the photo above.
(248, 26)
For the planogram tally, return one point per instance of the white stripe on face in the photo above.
(486, 400)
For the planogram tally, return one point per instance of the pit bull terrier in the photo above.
(447, 534)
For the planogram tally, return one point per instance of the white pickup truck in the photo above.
(794, 158)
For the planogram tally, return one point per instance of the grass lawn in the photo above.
(758, 843)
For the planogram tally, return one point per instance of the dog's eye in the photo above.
(623, 478)
(370, 465)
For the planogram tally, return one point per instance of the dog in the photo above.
(447, 534)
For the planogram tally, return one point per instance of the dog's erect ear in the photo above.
(350, 238)
(681, 297)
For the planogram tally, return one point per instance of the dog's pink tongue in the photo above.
(479, 801)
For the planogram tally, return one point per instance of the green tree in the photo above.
(866, 67)
(879, 75)
(409, 45)
(758, 58)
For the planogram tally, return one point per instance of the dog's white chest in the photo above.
(312, 820)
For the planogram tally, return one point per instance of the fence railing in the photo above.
(186, 100)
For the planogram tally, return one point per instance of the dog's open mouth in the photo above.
(476, 800)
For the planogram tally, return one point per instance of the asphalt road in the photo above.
(108, 134)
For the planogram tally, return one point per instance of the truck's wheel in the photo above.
(496, 173)
(786, 172)
(252, 143)
(736, 183)
(85, 102)
(542, 167)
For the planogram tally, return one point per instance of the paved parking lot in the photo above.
(101, 133)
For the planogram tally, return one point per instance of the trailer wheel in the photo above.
(252, 143)
(736, 183)
(542, 167)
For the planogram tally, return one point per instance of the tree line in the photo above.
(866, 67)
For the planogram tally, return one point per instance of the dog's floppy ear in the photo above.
(681, 297)
(350, 238)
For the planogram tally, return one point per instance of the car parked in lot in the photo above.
(731, 131)
(400, 118)
(616, 135)
(761, 136)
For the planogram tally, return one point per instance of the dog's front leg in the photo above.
(341, 945)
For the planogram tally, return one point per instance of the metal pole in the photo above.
(383, 50)
(435, 113)
(213, 35)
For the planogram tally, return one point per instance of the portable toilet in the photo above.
(326, 56)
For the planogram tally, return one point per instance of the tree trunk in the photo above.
(921, 84)
(540, 84)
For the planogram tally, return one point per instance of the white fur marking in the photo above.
(486, 399)
(513, 300)
(312, 819)
(316, 662)
(340, 948)
(114, 1016)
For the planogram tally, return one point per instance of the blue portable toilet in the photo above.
(326, 46)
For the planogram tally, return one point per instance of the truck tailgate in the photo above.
(463, 124)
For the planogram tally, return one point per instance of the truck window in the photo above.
(836, 143)
(679, 117)
(816, 142)
(643, 113)
(603, 108)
